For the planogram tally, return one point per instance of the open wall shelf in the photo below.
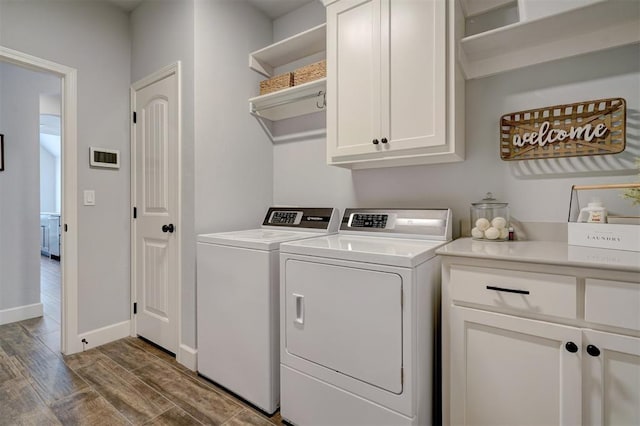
(596, 26)
(291, 102)
(299, 46)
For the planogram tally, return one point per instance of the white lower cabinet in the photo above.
(611, 379)
(512, 355)
(511, 371)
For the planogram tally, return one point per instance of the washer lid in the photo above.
(404, 252)
(257, 239)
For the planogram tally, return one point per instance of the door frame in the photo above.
(70, 341)
(173, 68)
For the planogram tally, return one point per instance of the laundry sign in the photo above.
(583, 128)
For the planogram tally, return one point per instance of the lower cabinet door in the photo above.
(611, 393)
(513, 371)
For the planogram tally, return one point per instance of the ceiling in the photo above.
(272, 8)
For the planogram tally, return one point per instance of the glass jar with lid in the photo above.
(490, 219)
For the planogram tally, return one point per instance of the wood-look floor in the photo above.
(122, 383)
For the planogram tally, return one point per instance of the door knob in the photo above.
(384, 140)
(376, 141)
(168, 228)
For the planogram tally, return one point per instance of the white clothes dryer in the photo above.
(238, 301)
(359, 320)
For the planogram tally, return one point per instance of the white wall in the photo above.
(537, 190)
(162, 33)
(48, 177)
(234, 161)
(94, 38)
(301, 19)
(227, 165)
(20, 185)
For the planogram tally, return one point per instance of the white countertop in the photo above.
(545, 252)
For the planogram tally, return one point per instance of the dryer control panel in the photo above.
(366, 220)
(412, 223)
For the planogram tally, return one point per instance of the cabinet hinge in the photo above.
(135, 308)
(135, 118)
(135, 212)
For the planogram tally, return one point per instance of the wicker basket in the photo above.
(309, 73)
(276, 83)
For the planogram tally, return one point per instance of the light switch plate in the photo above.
(89, 197)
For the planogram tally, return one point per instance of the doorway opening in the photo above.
(50, 208)
(21, 156)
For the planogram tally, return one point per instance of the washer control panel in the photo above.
(307, 218)
(279, 217)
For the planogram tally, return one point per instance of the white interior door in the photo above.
(156, 199)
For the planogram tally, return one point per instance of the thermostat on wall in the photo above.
(101, 157)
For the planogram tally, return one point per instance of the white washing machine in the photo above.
(238, 301)
(359, 319)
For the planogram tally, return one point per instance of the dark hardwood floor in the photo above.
(125, 382)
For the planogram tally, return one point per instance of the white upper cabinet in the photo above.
(542, 31)
(393, 94)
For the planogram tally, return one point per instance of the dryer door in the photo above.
(346, 319)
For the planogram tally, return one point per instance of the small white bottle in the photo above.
(593, 213)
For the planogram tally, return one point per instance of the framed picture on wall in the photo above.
(1, 152)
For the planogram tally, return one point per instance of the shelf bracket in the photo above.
(293, 137)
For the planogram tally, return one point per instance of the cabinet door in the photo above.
(513, 371)
(387, 79)
(353, 77)
(414, 75)
(611, 393)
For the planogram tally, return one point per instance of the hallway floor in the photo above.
(47, 328)
(125, 382)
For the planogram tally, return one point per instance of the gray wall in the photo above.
(162, 33)
(226, 164)
(234, 161)
(20, 91)
(536, 190)
(94, 38)
(47, 181)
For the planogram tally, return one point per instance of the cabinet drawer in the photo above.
(535, 293)
(614, 303)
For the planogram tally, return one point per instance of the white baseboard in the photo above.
(188, 357)
(20, 313)
(101, 336)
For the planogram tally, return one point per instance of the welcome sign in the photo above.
(583, 128)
